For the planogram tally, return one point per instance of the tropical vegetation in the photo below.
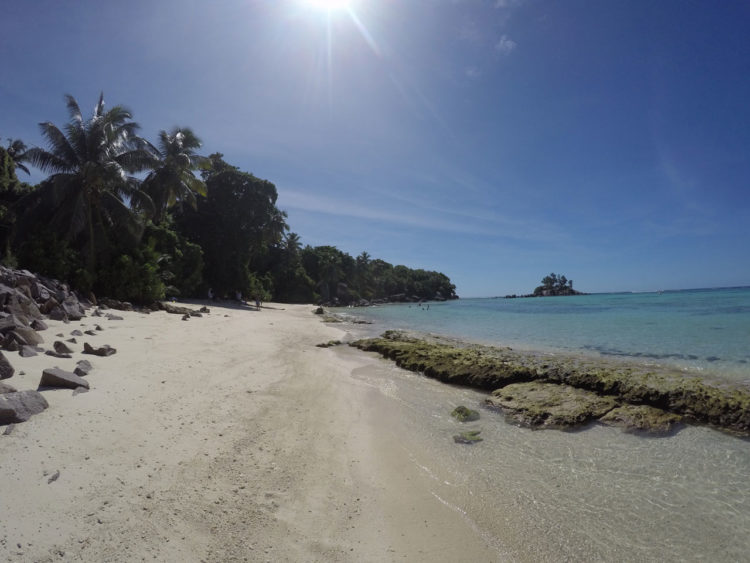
(124, 218)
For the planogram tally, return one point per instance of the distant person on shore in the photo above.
(211, 296)
(257, 302)
(238, 296)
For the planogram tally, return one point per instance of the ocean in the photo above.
(701, 330)
(598, 494)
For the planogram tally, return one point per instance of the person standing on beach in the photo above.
(257, 303)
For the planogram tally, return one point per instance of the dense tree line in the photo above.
(122, 217)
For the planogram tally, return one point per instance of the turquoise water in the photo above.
(706, 330)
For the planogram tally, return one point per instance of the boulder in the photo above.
(105, 350)
(550, 405)
(20, 406)
(56, 377)
(72, 308)
(83, 367)
(27, 335)
(10, 344)
(468, 437)
(38, 324)
(61, 347)
(6, 370)
(27, 351)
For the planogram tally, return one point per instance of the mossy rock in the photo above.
(642, 418)
(721, 404)
(549, 405)
(319, 311)
(468, 437)
(329, 344)
(464, 414)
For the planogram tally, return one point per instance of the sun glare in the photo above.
(329, 4)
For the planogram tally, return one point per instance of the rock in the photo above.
(27, 335)
(61, 348)
(57, 354)
(27, 351)
(5, 388)
(6, 370)
(11, 344)
(38, 324)
(319, 311)
(76, 332)
(72, 308)
(642, 418)
(57, 314)
(56, 377)
(185, 317)
(111, 317)
(468, 437)
(83, 367)
(464, 414)
(550, 405)
(97, 327)
(329, 344)
(90, 332)
(20, 406)
(105, 350)
(72, 340)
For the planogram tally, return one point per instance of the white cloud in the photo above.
(473, 72)
(505, 45)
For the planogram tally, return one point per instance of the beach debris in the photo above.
(468, 437)
(105, 350)
(83, 367)
(464, 414)
(329, 344)
(20, 406)
(56, 377)
(6, 370)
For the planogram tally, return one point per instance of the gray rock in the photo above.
(76, 332)
(26, 335)
(83, 367)
(6, 370)
(72, 308)
(38, 324)
(5, 388)
(105, 350)
(56, 377)
(57, 354)
(61, 348)
(27, 351)
(20, 406)
(111, 317)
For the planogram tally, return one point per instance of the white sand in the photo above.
(224, 438)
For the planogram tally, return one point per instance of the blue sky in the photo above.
(495, 141)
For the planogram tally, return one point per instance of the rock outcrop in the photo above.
(554, 391)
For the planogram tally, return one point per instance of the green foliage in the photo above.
(134, 276)
(555, 285)
(180, 261)
(50, 255)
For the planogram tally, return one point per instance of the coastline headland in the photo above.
(554, 391)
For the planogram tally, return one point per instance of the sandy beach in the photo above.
(230, 437)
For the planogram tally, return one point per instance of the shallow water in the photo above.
(593, 495)
(699, 330)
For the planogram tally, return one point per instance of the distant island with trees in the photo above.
(552, 285)
(124, 218)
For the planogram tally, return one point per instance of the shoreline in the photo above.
(225, 437)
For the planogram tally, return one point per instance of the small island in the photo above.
(552, 285)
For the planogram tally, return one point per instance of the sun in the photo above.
(329, 5)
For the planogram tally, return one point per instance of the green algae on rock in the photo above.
(329, 344)
(721, 404)
(642, 418)
(468, 437)
(465, 414)
(550, 405)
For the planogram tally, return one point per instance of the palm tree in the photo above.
(17, 152)
(90, 189)
(173, 180)
(292, 244)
